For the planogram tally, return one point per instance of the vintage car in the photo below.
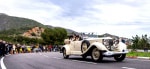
(97, 48)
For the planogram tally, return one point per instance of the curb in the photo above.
(132, 57)
(148, 58)
(136, 57)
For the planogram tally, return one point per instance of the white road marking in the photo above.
(91, 62)
(84, 62)
(124, 67)
(81, 61)
(40, 53)
(57, 58)
(45, 55)
(2, 63)
(128, 68)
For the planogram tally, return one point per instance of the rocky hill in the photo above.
(16, 25)
(34, 32)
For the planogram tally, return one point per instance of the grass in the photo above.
(140, 54)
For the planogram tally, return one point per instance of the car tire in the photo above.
(120, 57)
(96, 55)
(84, 46)
(65, 55)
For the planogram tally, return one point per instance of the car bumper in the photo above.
(112, 53)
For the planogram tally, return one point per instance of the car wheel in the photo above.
(84, 46)
(96, 55)
(65, 55)
(120, 57)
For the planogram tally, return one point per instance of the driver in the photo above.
(76, 37)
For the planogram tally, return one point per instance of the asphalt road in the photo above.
(54, 60)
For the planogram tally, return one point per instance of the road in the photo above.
(54, 60)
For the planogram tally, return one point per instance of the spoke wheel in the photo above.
(96, 55)
(84, 47)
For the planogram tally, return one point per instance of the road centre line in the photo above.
(2, 63)
(128, 68)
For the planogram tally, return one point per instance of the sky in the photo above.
(124, 18)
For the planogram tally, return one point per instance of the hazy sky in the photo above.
(124, 18)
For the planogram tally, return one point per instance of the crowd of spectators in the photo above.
(10, 48)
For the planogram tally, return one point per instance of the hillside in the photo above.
(69, 31)
(34, 32)
(9, 22)
(10, 25)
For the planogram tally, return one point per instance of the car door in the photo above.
(77, 46)
(72, 45)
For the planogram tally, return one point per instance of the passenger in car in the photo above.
(74, 37)
(77, 38)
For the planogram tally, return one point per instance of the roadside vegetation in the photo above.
(140, 54)
(142, 43)
(54, 36)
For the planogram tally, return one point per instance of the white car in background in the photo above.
(97, 48)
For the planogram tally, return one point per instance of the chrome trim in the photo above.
(111, 53)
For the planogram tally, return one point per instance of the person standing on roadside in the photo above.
(10, 48)
(2, 47)
(14, 48)
(18, 48)
(23, 48)
(6, 48)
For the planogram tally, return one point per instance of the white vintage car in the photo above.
(97, 48)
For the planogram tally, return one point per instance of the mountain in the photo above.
(69, 31)
(11, 22)
(109, 35)
(17, 25)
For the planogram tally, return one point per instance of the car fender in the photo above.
(99, 45)
(67, 47)
(122, 46)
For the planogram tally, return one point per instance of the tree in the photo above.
(135, 42)
(60, 35)
(140, 42)
(54, 36)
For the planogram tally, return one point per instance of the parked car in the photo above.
(97, 48)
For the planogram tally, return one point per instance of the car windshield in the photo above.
(85, 36)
